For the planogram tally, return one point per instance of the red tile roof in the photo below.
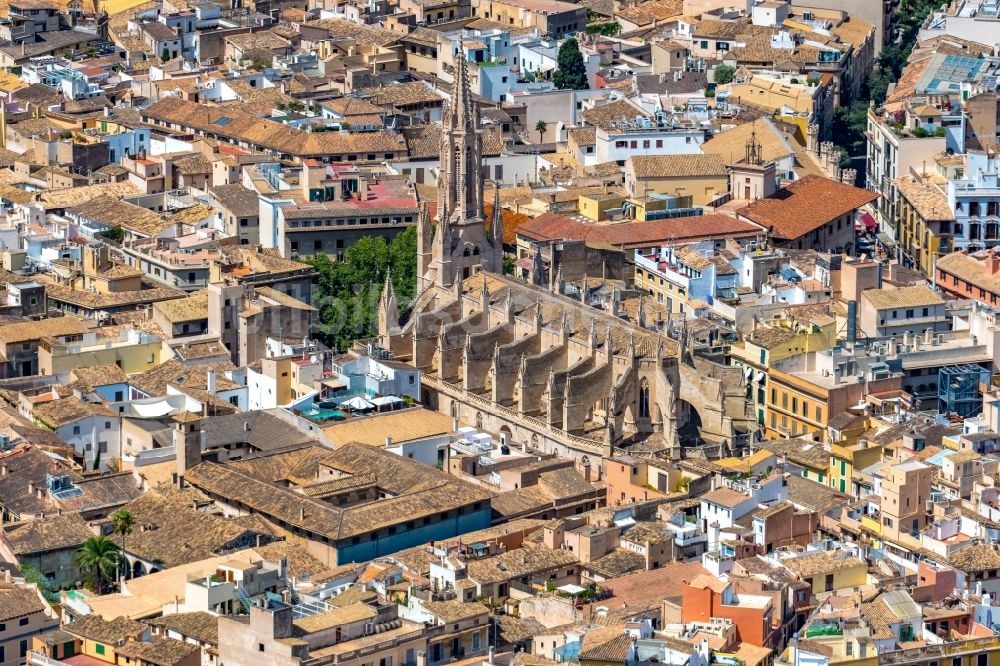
(630, 235)
(640, 590)
(805, 205)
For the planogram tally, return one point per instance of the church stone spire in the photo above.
(461, 187)
(496, 228)
(425, 236)
(462, 245)
(388, 309)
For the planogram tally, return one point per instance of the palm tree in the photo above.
(98, 557)
(123, 522)
(541, 127)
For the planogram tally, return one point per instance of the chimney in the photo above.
(993, 263)
(3, 469)
(31, 486)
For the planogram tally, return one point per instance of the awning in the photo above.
(790, 274)
(357, 403)
(759, 377)
(885, 240)
(385, 400)
(869, 222)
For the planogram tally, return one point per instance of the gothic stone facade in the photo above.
(540, 368)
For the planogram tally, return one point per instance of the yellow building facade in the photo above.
(795, 406)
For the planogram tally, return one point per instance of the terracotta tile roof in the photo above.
(725, 497)
(43, 328)
(903, 297)
(553, 226)
(455, 610)
(302, 565)
(678, 166)
(75, 196)
(518, 563)
(25, 465)
(615, 650)
(98, 301)
(154, 381)
(791, 212)
(618, 562)
(199, 625)
(192, 307)
(647, 589)
(602, 116)
(402, 426)
(976, 557)
(343, 29)
(731, 144)
(927, 200)
(820, 564)
(972, 268)
(112, 211)
(335, 617)
(41, 535)
(270, 135)
(654, 10)
(57, 413)
(96, 628)
(157, 652)
(417, 493)
(170, 531)
(17, 602)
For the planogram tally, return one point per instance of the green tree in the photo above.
(98, 558)
(541, 127)
(508, 265)
(571, 74)
(165, 54)
(849, 125)
(123, 521)
(348, 291)
(33, 576)
(723, 74)
(115, 233)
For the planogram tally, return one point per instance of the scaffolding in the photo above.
(958, 389)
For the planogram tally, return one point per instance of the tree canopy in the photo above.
(349, 290)
(571, 73)
(723, 74)
(98, 557)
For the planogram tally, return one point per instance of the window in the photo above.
(98, 648)
(475, 642)
(76, 430)
(260, 647)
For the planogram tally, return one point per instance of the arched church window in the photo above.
(475, 251)
(644, 399)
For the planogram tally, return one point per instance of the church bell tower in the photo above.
(461, 246)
